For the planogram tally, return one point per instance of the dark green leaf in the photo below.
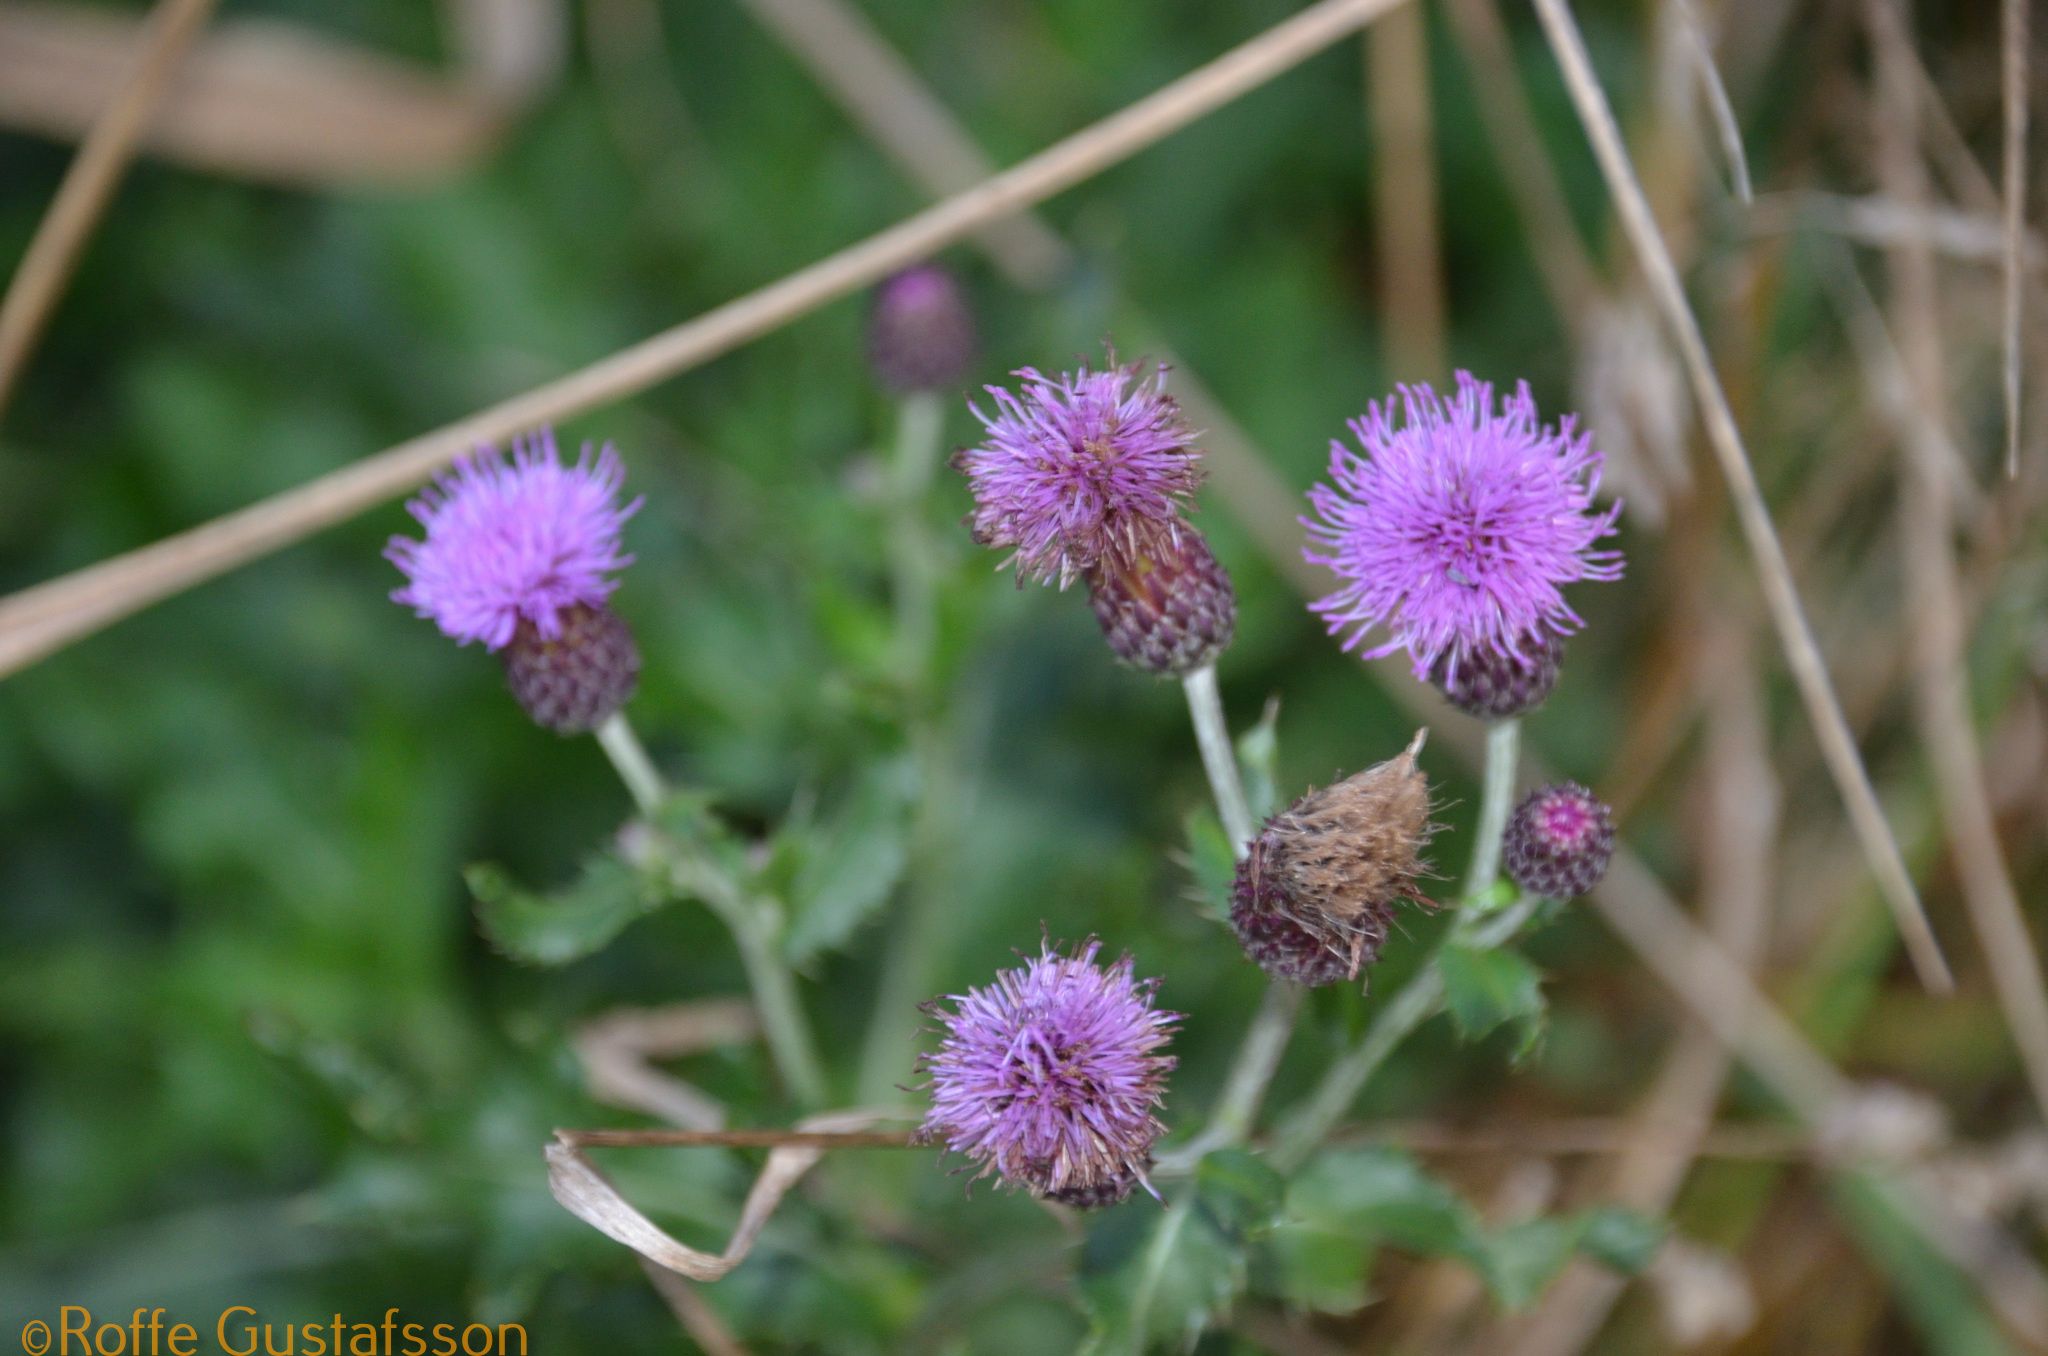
(1383, 1195)
(1211, 862)
(1314, 1267)
(848, 863)
(1258, 754)
(1484, 988)
(1524, 1258)
(1621, 1238)
(554, 929)
(1161, 1277)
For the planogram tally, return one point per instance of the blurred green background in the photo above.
(255, 1048)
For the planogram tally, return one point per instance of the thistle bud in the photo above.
(1170, 609)
(1315, 896)
(1494, 684)
(574, 681)
(1558, 841)
(1113, 1190)
(920, 330)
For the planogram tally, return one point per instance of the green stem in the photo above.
(635, 768)
(909, 968)
(1418, 1000)
(1421, 997)
(1265, 1040)
(1219, 758)
(1503, 748)
(775, 998)
(749, 921)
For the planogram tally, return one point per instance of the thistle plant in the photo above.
(1050, 1076)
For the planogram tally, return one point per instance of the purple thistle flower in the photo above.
(1079, 470)
(1049, 1076)
(1457, 528)
(514, 541)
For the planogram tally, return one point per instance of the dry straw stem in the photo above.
(1672, 1124)
(1927, 462)
(590, 1196)
(282, 103)
(1716, 93)
(883, 95)
(2014, 39)
(89, 184)
(1795, 634)
(41, 619)
(1405, 198)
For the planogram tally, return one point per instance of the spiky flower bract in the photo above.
(920, 330)
(1457, 527)
(1049, 1077)
(1314, 898)
(1080, 469)
(514, 541)
(1169, 612)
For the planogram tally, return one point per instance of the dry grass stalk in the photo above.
(1719, 108)
(590, 1196)
(1405, 196)
(1671, 1125)
(89, 183)
(1926, 467)
(1795, 634)
(2014, 66)
(44, 618)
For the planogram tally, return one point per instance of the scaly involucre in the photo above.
(1049, 1076)
(1458, 526)
(514, 540)
(1086, 468)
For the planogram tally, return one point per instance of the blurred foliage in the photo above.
(262, 1043)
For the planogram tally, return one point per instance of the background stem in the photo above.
(909, 971)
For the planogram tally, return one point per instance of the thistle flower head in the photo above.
(1049, 1076)
(920, 330)
(1558, 841)
(514, 540)
(1314, 897)
(1170, 611)
(1458, 526)
(1079, 469)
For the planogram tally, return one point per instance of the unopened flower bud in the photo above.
(1494, 684)
(920, 330)
(1170, 609)
(574, 681)
(1558, 841)
(1315, 896)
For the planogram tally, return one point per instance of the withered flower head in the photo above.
(1315, 896)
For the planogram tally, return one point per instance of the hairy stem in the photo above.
(635, 768)
(1219, 759)
(1503, 749)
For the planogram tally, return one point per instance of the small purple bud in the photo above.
(1494, 684)
(1558, 841)
(920, 330)
(1315, 896)
(573, 682)
(1049, 1077)
(1169, 611)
